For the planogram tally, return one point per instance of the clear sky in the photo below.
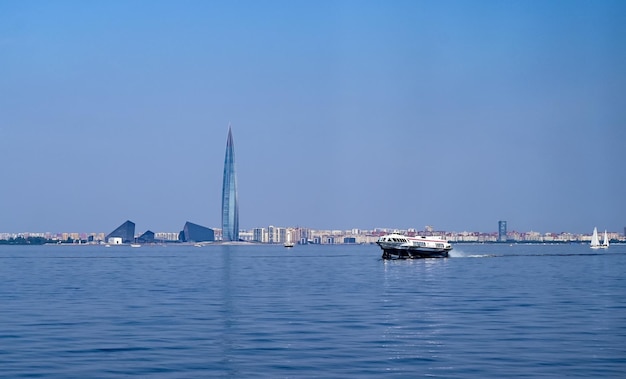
(345, 114)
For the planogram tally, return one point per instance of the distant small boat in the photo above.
(135, 245)
(288, 244)
(595, 241)
(605, 242)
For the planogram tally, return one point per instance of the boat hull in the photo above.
(412, 252)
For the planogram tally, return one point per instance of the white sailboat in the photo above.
(605, 242)
(595, 241)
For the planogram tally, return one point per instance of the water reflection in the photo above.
(413, 318)
(226, 341)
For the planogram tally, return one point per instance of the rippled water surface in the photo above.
(311, 311)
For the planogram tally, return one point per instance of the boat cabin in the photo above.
(394, 238)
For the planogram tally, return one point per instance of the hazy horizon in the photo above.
(351, 114)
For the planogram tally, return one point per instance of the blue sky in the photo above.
(345, 114)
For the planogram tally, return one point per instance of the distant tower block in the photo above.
(230, 208)
(502, 231)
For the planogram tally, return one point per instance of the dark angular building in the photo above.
(196, 233)
(147, 237)
(230, 209)
(126, 232)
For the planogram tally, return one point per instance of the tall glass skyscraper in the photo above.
(230, 209)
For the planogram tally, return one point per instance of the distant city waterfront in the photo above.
(301, 235)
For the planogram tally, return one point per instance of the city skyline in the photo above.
(278, 235)
(501, 229)
(347, 114)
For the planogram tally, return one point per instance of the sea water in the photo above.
(312, 311)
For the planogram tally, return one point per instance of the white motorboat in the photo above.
(398, 246)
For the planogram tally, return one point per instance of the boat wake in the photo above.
(456, 253)
(461, 254)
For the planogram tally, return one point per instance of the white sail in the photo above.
(595, 241)
(605, 243)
